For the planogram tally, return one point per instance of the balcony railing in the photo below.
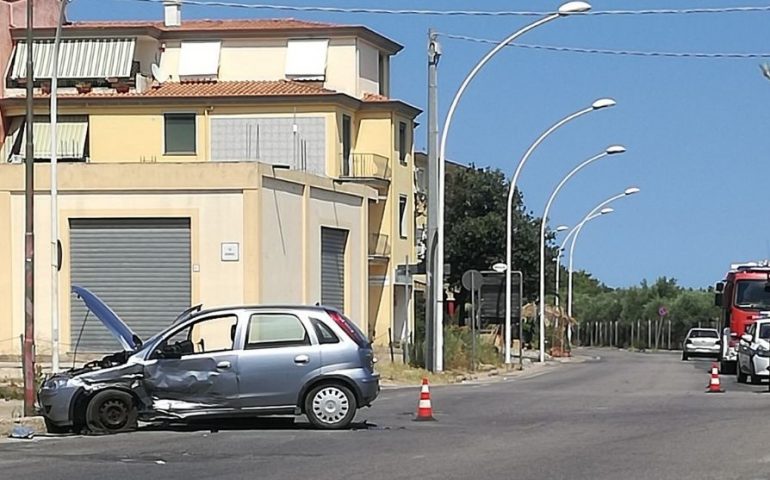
(379, 245)
(366, 166)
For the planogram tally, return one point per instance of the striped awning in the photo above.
(91, 58)
(70, 138)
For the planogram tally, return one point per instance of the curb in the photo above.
(37, 424)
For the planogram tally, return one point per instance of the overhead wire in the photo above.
(476, 13)
(601, 51)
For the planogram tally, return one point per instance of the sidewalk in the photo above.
(11, 412)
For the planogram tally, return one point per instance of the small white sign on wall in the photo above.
(230, 251)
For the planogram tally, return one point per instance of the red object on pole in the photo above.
(29, 234)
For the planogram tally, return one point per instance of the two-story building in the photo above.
(214, 162)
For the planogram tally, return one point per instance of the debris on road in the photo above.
(22, 432)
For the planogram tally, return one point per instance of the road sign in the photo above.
(662, 311)
(472, 280)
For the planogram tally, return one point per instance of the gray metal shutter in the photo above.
(333, 242)
(140, 267)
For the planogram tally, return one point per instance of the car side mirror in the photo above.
(718, 299)
(746, 338)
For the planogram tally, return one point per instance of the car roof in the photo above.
(310, 308)
(703, 329)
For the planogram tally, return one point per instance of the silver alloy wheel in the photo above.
(330, 405)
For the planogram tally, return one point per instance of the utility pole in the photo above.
(29, 234)
(435, 285)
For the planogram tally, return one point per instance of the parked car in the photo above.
(703, 342)
(223, 362)
(754, 352)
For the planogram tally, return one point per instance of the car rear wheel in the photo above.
(330, 406)
(111, 411)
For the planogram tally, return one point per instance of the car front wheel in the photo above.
(51, 427)
(330, 406)
(111, 411)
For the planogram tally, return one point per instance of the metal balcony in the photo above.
(366, 166)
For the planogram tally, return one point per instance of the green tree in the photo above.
(476, 202)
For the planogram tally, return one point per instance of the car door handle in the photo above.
(223, 365)
(301, 359)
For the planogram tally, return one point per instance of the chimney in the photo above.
(172, 13)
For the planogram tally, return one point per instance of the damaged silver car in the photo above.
(218, 363)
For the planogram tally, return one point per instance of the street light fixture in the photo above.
(611, 150)
(436, 278)
(596, 105)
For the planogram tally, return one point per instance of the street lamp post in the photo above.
(600, 209)
(612, 150)
(597, 105)
(55, 192)
(438, 265)
(563, 246)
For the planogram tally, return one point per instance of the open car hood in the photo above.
(117, 327)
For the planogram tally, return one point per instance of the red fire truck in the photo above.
(744, 296)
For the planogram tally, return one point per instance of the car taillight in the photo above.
(348, 328)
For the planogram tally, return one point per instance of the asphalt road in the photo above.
(628, 416)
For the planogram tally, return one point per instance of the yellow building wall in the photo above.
(7, 338)
(282, 253)
(138, 136)
(215, 282)
(368, 68)
(220, 201)
(378, 133)
(265, 59)
(336, 210)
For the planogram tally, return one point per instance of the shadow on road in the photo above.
(265, 423)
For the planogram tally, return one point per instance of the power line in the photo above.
(474, 13)
(600, 51)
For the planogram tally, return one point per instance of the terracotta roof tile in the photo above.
(211, 25)
(374, 97)
(215, 89)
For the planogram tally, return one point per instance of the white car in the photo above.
(701, 342)
(754, 352)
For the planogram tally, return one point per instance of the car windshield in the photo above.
(703, 334)
(752, 294)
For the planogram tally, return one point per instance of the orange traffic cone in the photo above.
(424, 408)
(715, 385)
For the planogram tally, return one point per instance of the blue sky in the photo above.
(696, 129)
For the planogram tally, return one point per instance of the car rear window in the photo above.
(764, 331)
(323, 332)
(704, 334)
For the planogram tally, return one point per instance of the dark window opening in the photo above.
(179, 133)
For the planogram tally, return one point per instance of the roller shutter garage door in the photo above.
(333, 243)
(140, 267)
